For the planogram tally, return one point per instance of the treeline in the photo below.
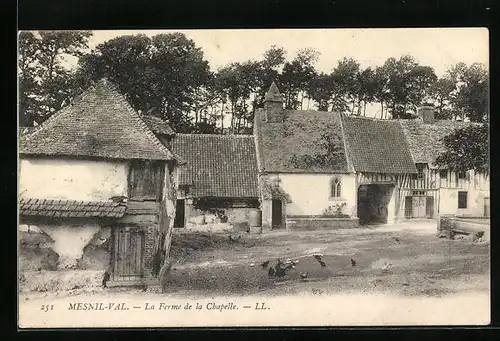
(166, 75)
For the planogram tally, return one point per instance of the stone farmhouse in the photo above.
(97, 186)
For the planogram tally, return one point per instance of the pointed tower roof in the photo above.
(273, 94)
(99, 123)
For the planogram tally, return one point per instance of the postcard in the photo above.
(253, 177)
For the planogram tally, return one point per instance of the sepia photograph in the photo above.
(253, 177)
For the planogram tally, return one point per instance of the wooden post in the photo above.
(167, 217)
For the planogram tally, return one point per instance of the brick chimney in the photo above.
(426, 113)
(273, 105)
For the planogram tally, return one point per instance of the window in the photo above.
(462, 175)
(420, 170)
(335, 188)
(145, 180)
(462, 199)
(418, 193)
(443, 173)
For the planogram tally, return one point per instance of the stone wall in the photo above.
(64, 245)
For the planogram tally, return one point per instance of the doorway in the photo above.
(373, 201)
(128, 250)
(179, 220)
(277, 214)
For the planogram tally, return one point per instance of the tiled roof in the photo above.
(425, 139)
(273, 94)
(304, 137)
(71, 208)
(158, 125)
(218, 165)
(377, 146)
(99, 123)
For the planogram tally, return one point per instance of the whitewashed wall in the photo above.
(310, 193)
(50, 178)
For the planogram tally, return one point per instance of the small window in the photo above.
(420, 170)
(462, 175)
(335, 190)
(443, 173)
(145, 180)
(462, 199)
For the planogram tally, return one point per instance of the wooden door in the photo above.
(179, 213)
(418, 207)
(277, 213)
(127, 254)
(408, 207)
(429, 207)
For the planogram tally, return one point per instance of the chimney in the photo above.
(273, 105)
(426, 113)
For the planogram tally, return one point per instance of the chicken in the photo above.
(280, 272)
(105, 278)
(353, 262)
(271, 272)
(233, 239)
(264, 264)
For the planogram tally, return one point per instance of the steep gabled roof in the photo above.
(307, 141)
(218, 165)
(425, 140)
(377, 146)
(99, 123)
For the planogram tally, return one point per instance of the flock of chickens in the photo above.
(281, 268)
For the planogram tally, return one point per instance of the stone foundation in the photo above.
(317, 223)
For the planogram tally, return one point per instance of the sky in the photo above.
(436, 47)
(439, 48)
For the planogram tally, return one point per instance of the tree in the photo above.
(441, 92)
(296, 76)
(46, 83)
(471, 97)
(162, 75)
(406, 84)
(466, 149)
(346, 84)
(28, 86)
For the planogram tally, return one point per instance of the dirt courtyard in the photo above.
(402, 259)
(404, 270)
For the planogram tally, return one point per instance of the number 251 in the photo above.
(46, 307)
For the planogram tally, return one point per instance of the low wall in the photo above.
(320, 223)
(450, 225)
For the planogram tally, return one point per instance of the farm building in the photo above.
(327, 169)
(436, 190)
(218, 183)
(97, 191)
